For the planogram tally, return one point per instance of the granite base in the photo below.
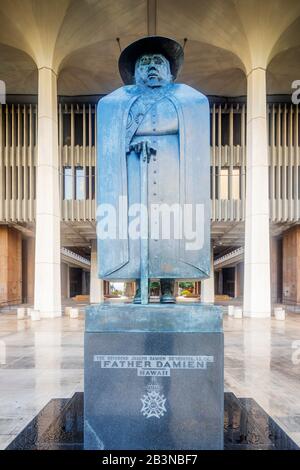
(153, 377)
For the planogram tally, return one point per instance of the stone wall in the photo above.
(291, 266)
(10, 266)
(276, 269)
(28, 270)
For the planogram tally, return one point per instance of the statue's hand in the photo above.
(143, 147)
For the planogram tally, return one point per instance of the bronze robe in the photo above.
(177, 126)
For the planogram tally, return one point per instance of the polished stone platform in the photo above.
(42, 360)
(59, 426)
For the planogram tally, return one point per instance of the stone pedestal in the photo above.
(153, 377)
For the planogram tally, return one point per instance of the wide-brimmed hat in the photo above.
(169, 48)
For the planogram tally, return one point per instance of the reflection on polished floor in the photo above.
(59, 426)
(43, 360)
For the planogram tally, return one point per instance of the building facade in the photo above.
(56, 66)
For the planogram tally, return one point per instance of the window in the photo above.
(79, 183)
(68, 182)
(223, 179)
(78, 124)
(223, 192)
(87, 183)
(236, 183)
(76, 183)
(66, 129)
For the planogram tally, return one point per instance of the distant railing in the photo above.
(75, 256)
(229, 256)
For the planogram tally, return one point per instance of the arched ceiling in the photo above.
(283, 70)
(90, 22)
(18, 71)
(284, 60)
(213, 70)
(94, 70)
(263, 22)
(213, 22)
(77, 38)
(33, 26)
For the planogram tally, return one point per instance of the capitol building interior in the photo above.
(58, 58)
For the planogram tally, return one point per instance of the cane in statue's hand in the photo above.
(144, 222)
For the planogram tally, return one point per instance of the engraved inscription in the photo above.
(154, 402)
(153, 365)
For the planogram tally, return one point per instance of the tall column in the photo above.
(47, 286)
(176, 288)
(239, 274)
(96, 284)
(220, 282)
(65, 280)
(257, 299)
(129, 289)
(83, 282)
(208, 285)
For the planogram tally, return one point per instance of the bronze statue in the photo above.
(153, 148)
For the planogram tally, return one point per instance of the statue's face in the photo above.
(152, 70)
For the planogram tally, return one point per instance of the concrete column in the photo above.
(257, 298)
(129, 289)
(236, 281)
(106, 287)
(239, 275)
(65, 280)
(83, 282)
(68, 283)
(96, 284)
(208, 285)
(176, 288)
(47, 287)
(220, 282)
(197, 289)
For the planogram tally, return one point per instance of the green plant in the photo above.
(186, 285)
(186, 292)
(154, 285)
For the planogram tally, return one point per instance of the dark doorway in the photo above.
(75, 281)
(228, 281)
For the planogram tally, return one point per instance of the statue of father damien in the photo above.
(153, 201)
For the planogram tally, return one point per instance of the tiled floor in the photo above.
(43, 360)
(262, 361)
